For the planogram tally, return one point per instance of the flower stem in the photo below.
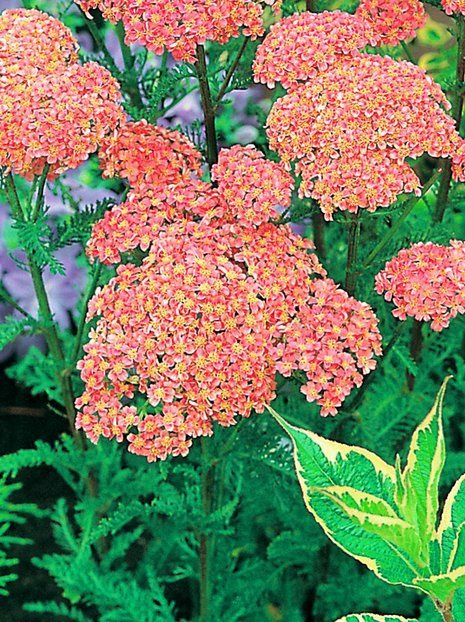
(444, 609)
(352, 254)
(230, 73)
(207, 480)
(132, 83)
(416, 344)
(207, 107)
(82, 321)
(457, 113)
(50, 329)
(410, 204)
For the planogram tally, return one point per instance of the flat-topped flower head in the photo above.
(198, 330)
(52, 110)
(301, 45)
(33, 43)
(391, 21)
(144, 153)
(427, 282)
(64, 118)
(251, 186)
(351, 128)
(453, 6)
(179, 25)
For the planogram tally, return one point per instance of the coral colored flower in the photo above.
(351, 128)
(179, 25)
(33, 43)
(251, 185)
(52, 110)
(427, 282)
(144, 153)
(391, 21)
(453, 6)
(303, 44)
(200, 328)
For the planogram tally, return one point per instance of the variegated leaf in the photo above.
(417, 487)
(347, 516)
(444, 585)
(451, 530)
(374, 617)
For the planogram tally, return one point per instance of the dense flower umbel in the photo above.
(201, 327)
(453, 6)
(181, 25)
(351, 128)
(303, 44)
(52, 110)
(391, 21)
(146, 154)
(427, 282)
(33, 43)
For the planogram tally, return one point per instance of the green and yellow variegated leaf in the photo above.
(417, 487)
(375, 516)
(442, 586)
(374, 617)
(451, 530)
(361, 520)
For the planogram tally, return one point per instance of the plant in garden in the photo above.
(204, 305)
(384, 516)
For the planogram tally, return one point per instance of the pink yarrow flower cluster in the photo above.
(179, 25)
(352, 127)
(390, 21)
(52, 110)
(453, 6)
(351, 120)
(196, 333)
(427, 282)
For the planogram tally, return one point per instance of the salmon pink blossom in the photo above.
(427, 282)
(391, 21)
(304, 44)
(222, 301)
(52, 110)
(351, 128)
(453, 6)
(180, 26)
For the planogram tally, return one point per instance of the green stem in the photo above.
(207, 483)
(207, 107)
(457, 113)
(416, 344)
(352, 254)
(407, 51)
(319, 234)
(40, 193)
(230, 73)
(131, 80)
(82, 320)
(50, 329)
(355, 403)
(405, 214)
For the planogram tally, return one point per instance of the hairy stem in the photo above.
(207, 107)
(457, 113)
(416, 344)
(352, 254)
